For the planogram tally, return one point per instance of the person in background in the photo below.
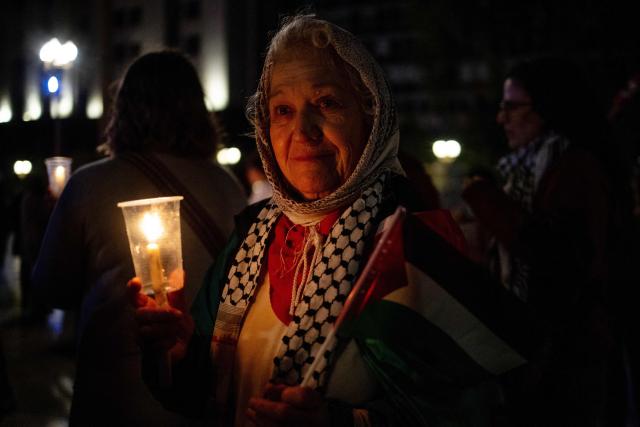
(554, 224)
(7, 397)
(36, 205)
(160, 137)
(479, 240)
(421, 180)
(258, 182)
(624, 118)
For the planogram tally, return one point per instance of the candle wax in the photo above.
(155, 272)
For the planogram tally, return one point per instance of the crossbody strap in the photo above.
(194, 213)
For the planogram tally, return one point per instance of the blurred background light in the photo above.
(22, 168)
(49, 50)
(58, 55)
(95, 107)
(53, 84)
(33, 109)
(68, 53)
(217, 91)
(5, 110)
(446, 150)
(229, 156)
(65, 105)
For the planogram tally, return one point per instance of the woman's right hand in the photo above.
(160, 328)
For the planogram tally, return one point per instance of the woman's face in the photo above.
(317, 127)
(521, 123)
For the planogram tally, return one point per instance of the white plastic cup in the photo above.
(153, 228)
(58, 171)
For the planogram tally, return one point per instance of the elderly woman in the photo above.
(327, 134)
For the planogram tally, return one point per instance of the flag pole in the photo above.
(369, 273)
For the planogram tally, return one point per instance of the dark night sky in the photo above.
(603, 37)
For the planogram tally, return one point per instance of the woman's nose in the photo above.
(308, 126)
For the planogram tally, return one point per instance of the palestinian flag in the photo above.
(451, 323)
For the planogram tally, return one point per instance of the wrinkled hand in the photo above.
(288, 406)
(161, 328)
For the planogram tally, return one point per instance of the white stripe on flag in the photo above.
(426, 297)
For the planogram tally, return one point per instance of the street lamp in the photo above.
(57, 58)
(55, 54)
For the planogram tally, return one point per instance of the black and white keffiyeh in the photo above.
(323, 295)
(522, 171)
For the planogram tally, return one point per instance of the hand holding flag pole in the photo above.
(361, 291)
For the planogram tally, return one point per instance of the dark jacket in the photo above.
(563, 240)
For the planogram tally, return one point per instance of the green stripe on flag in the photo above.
(425, 296)
(426, 376)
(426, 349)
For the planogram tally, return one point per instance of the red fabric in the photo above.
(441, 221)
(392, 274)
(391, 270)
(283, 247)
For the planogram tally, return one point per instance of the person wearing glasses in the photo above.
(550, 224)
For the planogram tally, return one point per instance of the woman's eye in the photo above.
(328, 103)
(281, 110)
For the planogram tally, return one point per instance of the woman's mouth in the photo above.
(311, 157)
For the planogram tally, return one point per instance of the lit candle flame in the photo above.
(151, 226)
(60, 173)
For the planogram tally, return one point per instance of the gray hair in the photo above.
(292, 41)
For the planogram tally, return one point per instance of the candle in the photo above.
(60, 176)
(152, 228)
(155, 271)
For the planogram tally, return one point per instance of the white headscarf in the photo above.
(380, 152)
